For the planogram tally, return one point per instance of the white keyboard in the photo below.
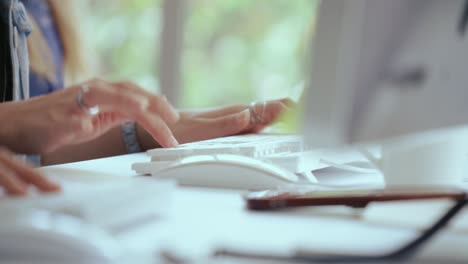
(255, 146)
(281, 150)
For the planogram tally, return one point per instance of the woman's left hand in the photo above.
(16, 176)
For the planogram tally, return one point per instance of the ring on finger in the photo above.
(255, 118)
(91, 110)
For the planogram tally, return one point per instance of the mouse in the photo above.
(42, 236)
(226, 171)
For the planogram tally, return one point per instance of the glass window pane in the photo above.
(243, 50)
(123, 36)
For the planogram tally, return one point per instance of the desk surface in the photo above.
(202, 220)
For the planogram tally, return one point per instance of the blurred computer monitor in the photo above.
(386, 69)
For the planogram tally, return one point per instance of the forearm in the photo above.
(13, 134)
(109, 144)
(9, 138)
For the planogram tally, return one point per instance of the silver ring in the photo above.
(255, 118)
(91, 110)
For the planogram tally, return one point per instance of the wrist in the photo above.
(130, 137)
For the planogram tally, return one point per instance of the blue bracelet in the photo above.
(129, 137)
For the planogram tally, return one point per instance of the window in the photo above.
(123, 36)
(244, 50)
(233, 50)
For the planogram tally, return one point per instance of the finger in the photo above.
(93, 126)
(27, 175)
(221, 111)
(157, 103)
(229, 110)
(223, 126)
(105, 121)
(132, 106)
(270, 112)
(103, 94)
(9, 180)
(288, 102)
(33, 177)
(159, 130)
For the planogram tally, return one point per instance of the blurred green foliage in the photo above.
(123, 35)
(244, 50)
(235, 50)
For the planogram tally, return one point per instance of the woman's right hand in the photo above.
(16, 176)
(46, 123)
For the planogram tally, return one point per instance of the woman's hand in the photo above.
(224, 121)
(45, 123)
(227, 121)
(16, 176)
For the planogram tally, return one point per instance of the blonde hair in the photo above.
(40, 55)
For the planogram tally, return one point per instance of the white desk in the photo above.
(201, 220)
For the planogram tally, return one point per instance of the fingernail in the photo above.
(177, 115)
(173, 143)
